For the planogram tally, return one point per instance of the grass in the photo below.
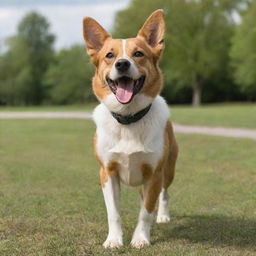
(227, 115)
(232, 115)
(78, 107)
(51, 201)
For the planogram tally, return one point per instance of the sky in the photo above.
(65, 16)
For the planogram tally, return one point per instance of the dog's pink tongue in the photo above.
(124, 90)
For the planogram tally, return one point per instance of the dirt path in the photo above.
(51, 114)
(219, 131)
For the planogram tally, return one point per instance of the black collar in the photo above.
(131, 118)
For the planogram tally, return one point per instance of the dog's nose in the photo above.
(122, 65)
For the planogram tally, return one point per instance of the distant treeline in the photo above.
(208, 56)
(32, 73)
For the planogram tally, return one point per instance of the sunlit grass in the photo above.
(51, 201)
(76, 107)
(227, 115)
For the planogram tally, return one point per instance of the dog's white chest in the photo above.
(130, 171)
(132, 145)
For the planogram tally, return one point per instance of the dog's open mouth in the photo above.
(125, 87)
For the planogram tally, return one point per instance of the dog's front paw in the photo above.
(113, 243)
(163, 218)
(139, 242)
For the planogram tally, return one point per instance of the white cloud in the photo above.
(4, 13)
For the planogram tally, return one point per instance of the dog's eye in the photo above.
(110, 55)
(138, 54)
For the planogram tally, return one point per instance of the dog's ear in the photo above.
(153, 31)
(94, 35)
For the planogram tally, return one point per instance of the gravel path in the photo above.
(52, 114)
(219, 131)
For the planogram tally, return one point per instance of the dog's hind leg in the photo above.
(111, 191)
(163, 215)
(169, 169)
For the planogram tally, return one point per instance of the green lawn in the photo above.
(231, 115)
(81, 107)
(51, 201)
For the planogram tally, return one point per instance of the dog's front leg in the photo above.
(111, 191)
(152, 188)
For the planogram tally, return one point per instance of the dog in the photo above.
(134, 140)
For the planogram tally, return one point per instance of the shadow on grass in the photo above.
(215, 229)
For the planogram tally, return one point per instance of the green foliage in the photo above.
(26, 62)
(11, 65)
(197, 38)
(68, 79)
(243, 53)
(30, 74)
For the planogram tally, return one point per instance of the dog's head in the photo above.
(127, 72)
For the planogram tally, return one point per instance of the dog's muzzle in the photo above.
(125, 88)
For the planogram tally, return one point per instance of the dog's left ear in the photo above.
(153, 31)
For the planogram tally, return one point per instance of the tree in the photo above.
(26, 61)
(243, 53)
(33, 32)
(197, 38)
(68, 79)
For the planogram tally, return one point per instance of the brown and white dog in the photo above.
(134, 140)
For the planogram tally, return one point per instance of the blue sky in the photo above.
(65, 16)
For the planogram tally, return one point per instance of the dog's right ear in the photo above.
(94, 35)
(153, 31)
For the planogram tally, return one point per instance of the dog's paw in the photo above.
(112, 243)
(139, 242)
(163, 218)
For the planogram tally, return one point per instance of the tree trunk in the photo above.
(196, 102)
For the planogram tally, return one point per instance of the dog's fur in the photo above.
(140, 153)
